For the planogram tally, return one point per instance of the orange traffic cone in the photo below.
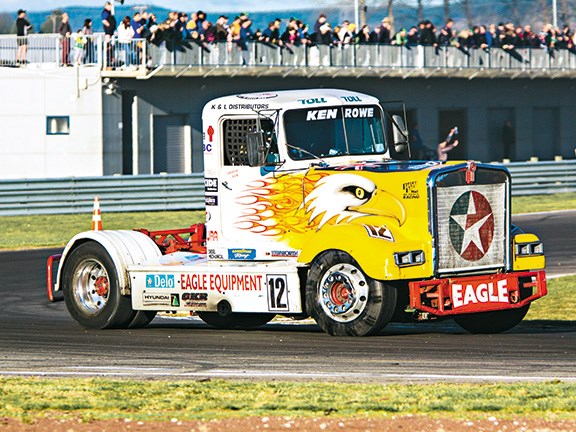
(96, 216)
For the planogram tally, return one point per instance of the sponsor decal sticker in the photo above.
(212, 254)
(212, 235)
(312, 101)
(380, 232)
(410, 190)
(351, 98)
(211, 200)
(490, 292)
(284, 253)
(154, 299)
(193, 258)
(241, 254)
(220, 282)
(160, 281)
(192, 300)
(211, 185)
(174, 300)
(471, 224)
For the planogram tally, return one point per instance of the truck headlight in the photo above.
(410, 258)
(527, 249)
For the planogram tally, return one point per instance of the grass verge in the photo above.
(99, 399)
(55, 230)
(559, 304)
(542, 203)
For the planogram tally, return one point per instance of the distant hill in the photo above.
(404, 16)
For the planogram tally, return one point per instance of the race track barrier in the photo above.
(186, 191)
(116, 193)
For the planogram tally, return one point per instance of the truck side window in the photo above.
(234, 142)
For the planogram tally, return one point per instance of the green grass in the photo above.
(540, 203)
(56, 230)
(95, 399)
(559, 304)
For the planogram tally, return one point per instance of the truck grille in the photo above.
(471, 225)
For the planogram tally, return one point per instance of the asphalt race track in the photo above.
(39, 338)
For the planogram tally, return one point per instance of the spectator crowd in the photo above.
(196, 27)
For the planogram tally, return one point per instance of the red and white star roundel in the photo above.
(471, 225)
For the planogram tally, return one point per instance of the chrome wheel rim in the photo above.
(343, 292)
(91, 286)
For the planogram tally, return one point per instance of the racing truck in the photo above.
(307, 215)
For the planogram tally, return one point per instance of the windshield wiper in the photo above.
(322, 161)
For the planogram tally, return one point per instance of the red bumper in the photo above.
(462, 295)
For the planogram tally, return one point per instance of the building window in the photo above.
(58, 125)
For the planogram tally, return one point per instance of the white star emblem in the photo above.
(472, 233)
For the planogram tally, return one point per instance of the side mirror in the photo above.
(256, 148)
(400, 134)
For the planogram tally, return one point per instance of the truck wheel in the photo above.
(142, 319)
(235, 320)
(496, 321)
(90, 288)
(492, 322)
(343, 300)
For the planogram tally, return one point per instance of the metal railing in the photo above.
(539, 178)
(141, 54)
(116, 193)
(186, 192)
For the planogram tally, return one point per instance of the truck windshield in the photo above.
(326, 132)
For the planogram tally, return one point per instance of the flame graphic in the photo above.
(276, 207)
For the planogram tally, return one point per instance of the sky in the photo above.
(244, 5)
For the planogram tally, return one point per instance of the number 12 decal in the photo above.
(277, 292)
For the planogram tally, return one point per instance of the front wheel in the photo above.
(91, 290)
(492, 322)
(343, 300)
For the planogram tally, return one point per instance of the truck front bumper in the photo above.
(472, 294)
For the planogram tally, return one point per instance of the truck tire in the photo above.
(492, 322)
(496, 321)
(142, 319)
(235, 320)
(343, 300)
(91, 291)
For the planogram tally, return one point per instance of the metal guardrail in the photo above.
(186, 191)
(116, 193)
(540, 178)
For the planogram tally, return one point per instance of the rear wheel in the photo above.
(235, 320)
(142, 319)
(91, 290)
(343, 300)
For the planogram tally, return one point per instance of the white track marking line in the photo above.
(158, 372)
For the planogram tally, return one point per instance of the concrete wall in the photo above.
(540, 109)
(112, 132)
(31, 94)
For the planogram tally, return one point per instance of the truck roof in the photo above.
(289, 99)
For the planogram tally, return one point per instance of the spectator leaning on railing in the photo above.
(181, 31)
